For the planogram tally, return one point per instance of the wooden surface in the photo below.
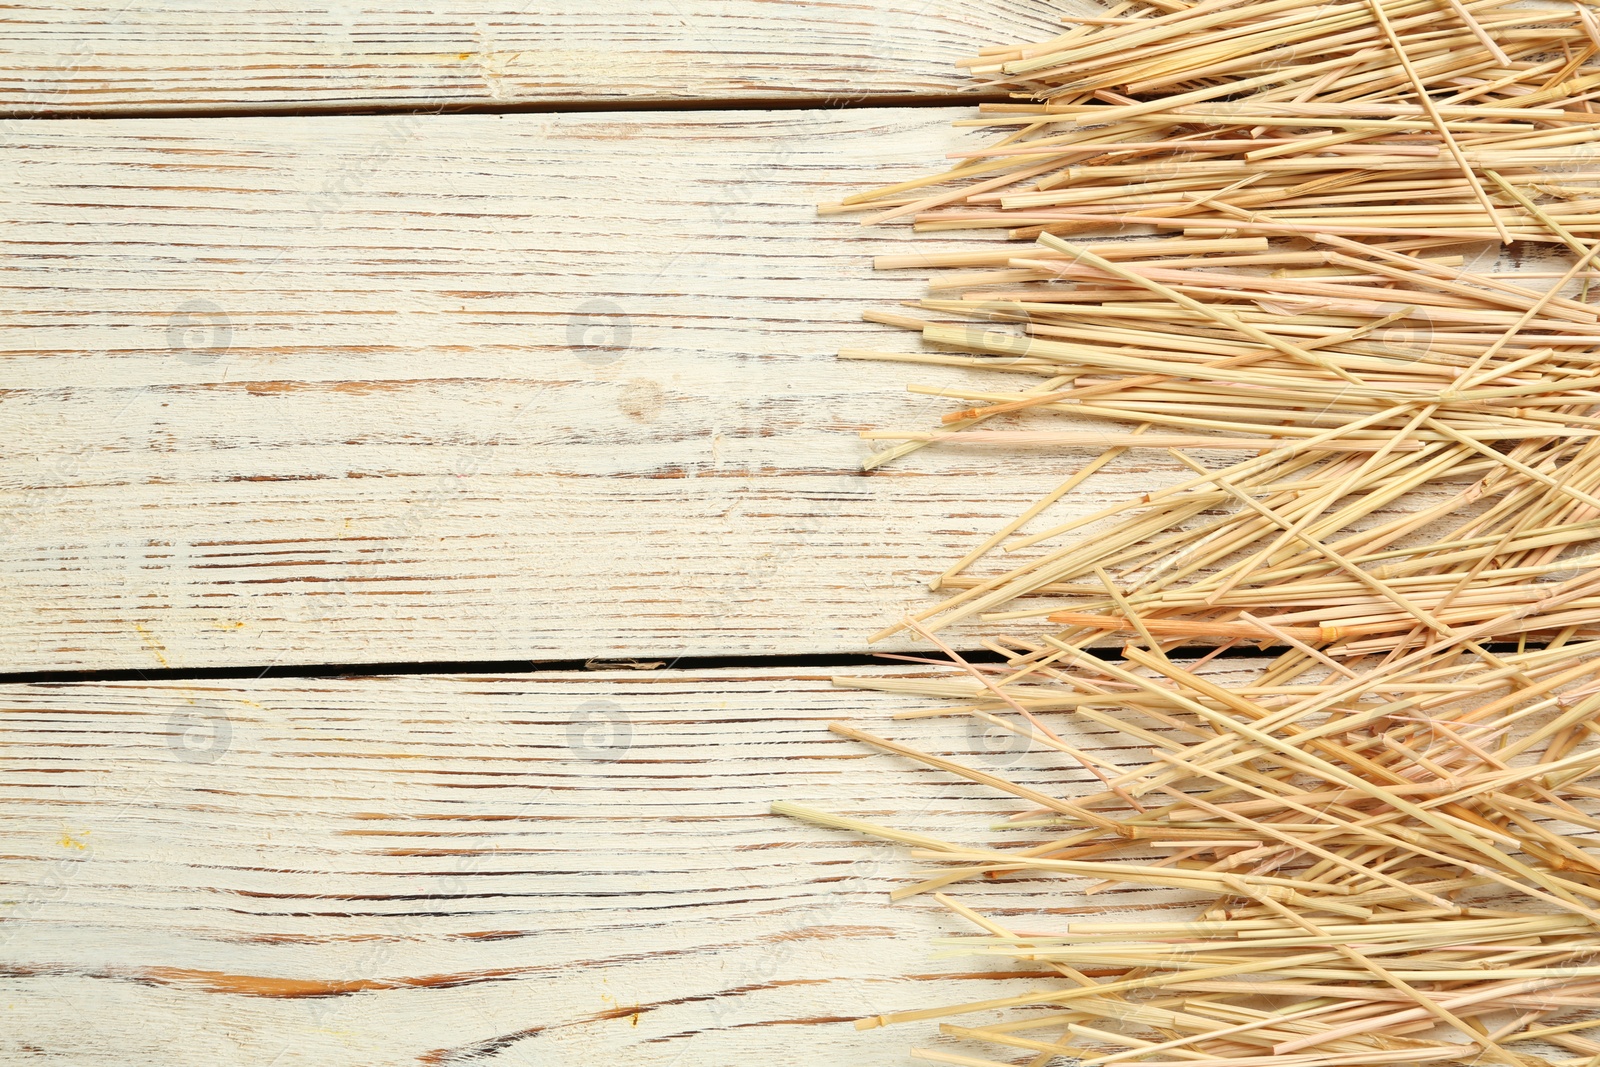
(122, 57)
(546, 869)
(444, 388)
(416, 387)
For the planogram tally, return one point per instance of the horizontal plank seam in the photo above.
(808, 102)
(456, 667)
(640, 663)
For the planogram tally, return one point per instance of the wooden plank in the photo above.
(367, 389)
(550, 868)
(108, 57)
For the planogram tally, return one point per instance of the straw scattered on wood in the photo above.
(1378, 832)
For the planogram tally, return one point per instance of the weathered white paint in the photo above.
(434, 388)
(120, 57)
(548, 869)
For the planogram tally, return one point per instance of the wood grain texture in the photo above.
(548, 869)
(367, 389)
(121, 57)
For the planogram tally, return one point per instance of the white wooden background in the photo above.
(544, 869)
(138, 57)
(286, 389)
(381, 442)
